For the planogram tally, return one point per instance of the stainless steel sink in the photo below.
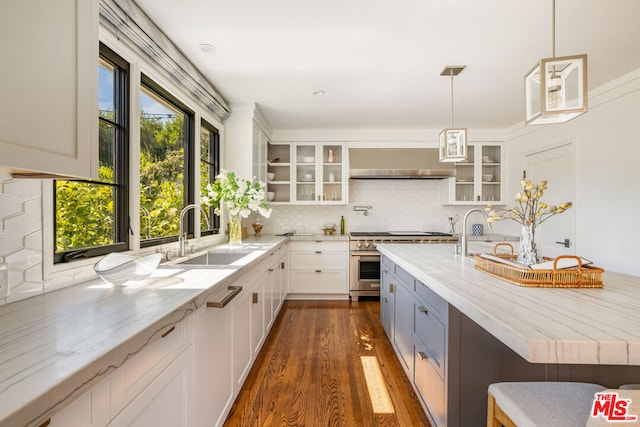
(216, 258)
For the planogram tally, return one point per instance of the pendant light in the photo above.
(556, 88)
(453, 141)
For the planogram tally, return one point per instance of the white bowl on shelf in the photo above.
(270, 176)
(118, 269)
(487, 177)
(270, 196)
(308, 159)
(307, 177)
(487, 159)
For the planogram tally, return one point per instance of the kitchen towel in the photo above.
(477, 229)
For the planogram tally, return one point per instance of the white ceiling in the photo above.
(379, 62)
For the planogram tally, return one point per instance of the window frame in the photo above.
(120, 123)
(189, 157)
(213, 162)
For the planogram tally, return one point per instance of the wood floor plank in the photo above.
(310, 372)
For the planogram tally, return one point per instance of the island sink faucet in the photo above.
(182, 237)
(464, 243)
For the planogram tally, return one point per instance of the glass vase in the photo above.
(235, 230)
(530, 251)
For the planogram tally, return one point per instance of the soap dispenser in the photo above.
(342, 225)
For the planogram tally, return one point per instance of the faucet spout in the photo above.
(464, 243)
(182, 237)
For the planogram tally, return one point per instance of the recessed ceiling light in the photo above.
(207, 48)
(318, 92)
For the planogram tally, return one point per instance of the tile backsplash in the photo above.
(21, 237)
(398, 205)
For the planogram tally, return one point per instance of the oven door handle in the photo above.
(367, 257)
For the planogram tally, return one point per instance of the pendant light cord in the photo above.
(553, 29)
(451, 74)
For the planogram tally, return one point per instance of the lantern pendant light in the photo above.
(453, 141)
(556, 88)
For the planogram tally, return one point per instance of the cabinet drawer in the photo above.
(318, 261)
(430, 387)
(322, 245)
(324, 282)
(386, 263)
(404, 276)
(140, 370)
(431, 333)
(436, 301)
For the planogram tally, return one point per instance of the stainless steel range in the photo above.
(364, 264)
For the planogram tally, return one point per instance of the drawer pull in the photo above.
(385, 300)
(423, 309)
(318, 252)
(422, 356)
(375, 285)
(173, 328)
(271, 270)
(282, 266)
(235, 290)
(318, 271)
(391, 286)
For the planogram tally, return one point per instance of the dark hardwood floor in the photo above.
(310, 372)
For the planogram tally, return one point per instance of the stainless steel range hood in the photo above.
(398, 163)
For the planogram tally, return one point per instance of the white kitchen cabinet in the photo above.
(242, 341)
(49, 87)
(213, 340)
(259, 309)
(167, 401)
(309, 173)
(279, 164)
(319, 267)
(90, 409)
(129, 380)
(478, 180)
(246, 141)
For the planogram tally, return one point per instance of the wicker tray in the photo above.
(580, 277)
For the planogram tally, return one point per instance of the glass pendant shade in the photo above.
(556, 90)
(453, 145)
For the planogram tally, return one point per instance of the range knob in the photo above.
(375, 245)
(366, 244)
(359, 245)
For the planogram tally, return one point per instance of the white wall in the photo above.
(607, 204)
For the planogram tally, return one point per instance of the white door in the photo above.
(557, 166)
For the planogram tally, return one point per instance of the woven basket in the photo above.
(579, 277)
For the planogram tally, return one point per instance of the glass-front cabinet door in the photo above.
(320, 173)
(478, 179)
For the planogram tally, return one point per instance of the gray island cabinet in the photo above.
(456, 330)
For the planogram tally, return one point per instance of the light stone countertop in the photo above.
(319, 236)
(543, 325)
(55, 346)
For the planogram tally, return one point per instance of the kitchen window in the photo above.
(209, 169)
(91, 216)
(166, 164)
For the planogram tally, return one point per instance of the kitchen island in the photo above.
(58, 345)
(496, 331)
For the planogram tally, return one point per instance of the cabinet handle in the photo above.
(391, 286)
(318, 252)
(173, 328)
(235, 290)
(254, 297)
(422, 356)
(282, 266)
(271, 270)
(318, 271)
(385, 300)
(423, 309)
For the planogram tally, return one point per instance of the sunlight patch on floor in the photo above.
(378, 393)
